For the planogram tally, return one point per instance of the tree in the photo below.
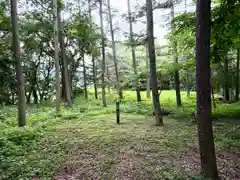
(18, 63)
(114, 50)
(56, 55)
(133, 52)
(83, 62)
(237, 76)
(94, 70)
(203, 73)
(103, 55)
(65, 75)
(152, 56)
(84, 78)
(148, 74)
(175, 60)
(226, 83)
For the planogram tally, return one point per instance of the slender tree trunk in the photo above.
(94, 78)
(187, 75)
(65, 75)
(148, 74)
(148, 92)
(203, 73)
(28, 96)
(19, 68)
(152, 55)
(108, 79)
(56, 55)
(85, 78)
(94, 71)
(133, 53)
(226, 85)
(62, 88)
(103, 56)
(237, 76)
(187, 85)
(175, 60)
(35, 96)
(114, 51)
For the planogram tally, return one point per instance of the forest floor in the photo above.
(86, 143)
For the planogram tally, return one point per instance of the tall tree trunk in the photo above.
(148, 74)
(56, 55)
(35, 96)
(94, 78)
(108, 79)
(204, 114)
(65, 75)
(188, 84)
(175, 60)
(133, 53)
(103, 56)
(237, 76)
(152, 55)
(226, 85)
(62, 88)
(28, 96)
(35, 82)
(84, 78)
(19, 69)
(114, 51)
(187, 75)
(94, 71)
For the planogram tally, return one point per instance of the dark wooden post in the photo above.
(118, 111)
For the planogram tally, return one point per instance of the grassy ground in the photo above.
(86, 143)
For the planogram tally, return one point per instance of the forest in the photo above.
(123, 90)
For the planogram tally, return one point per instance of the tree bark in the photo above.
(65, 75)
(237, 76)
(94, 70)
(28, 96)
(19, 68)
(152, 55)
(148, 74)
(84, 78)
(203, 73)
(56, 55)
(35, 96)
(94, 78)
(175, 60)
(63, 92)
(226, 85)
(103, 56)
(187, 76)
(133, 53)
(108, 79)
(114, 51)
(187, 85)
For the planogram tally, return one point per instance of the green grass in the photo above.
(168, 101)
(85, 141)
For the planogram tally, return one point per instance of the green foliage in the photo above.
(42, 147)
(224, 42)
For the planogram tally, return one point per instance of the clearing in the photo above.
(86, 143)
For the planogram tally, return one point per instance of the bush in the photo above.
(15, 144)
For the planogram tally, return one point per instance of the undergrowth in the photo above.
(42, 147)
